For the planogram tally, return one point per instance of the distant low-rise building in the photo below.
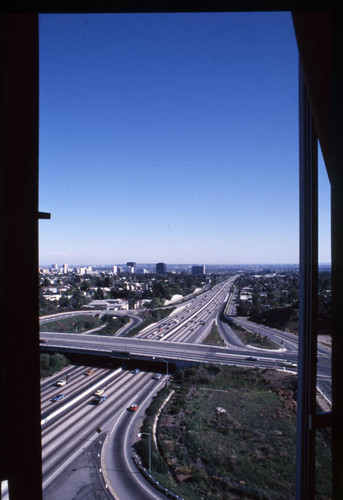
(53, 297)
(109, 304)
(246, 294)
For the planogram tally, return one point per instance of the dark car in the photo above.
(58, 397)
(99, 400)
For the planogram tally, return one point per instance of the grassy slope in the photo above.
(213, 337)
(246, 452)
(252, 338)
(73, 324)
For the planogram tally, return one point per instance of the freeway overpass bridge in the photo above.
(149, 354)
(142, 350)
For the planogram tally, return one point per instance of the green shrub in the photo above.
(51, 363)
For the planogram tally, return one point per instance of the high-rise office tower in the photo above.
(131, 267)
(198, 270)
(161, 268)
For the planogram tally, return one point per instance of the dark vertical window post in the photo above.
(307, 357)
(336, 175)
(19, 350)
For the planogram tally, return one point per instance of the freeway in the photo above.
(286, 339)
(191, 320)
(142, 349)
(75, 422)
(228, 335)
(178, 337)
(183, 323)
(120, 473)
(289, 341)
(69, 425)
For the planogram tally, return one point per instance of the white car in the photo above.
(61, 382)
(99, 392)
(290, 363)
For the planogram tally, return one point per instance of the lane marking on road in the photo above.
(79, 450)
(109, 435)
(80, 396)
(125, 446)
(229, 282)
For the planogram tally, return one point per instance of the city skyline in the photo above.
(171, 137)
(171, 266)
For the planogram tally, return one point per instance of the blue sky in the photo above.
(170, 137)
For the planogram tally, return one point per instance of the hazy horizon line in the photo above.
(187, 264)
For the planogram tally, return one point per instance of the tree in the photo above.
(98, 295)
(45, 361)
(85, 286)
(58, 361)
(64, 302)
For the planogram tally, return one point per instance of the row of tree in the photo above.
(156, 288)
(275, 300)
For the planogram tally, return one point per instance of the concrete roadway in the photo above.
(70, 427)
(140, 348)
(235, 352)
(120, 474)
(289, 341)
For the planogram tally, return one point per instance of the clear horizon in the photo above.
(171, 138)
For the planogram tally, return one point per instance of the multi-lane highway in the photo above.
(191, 321)
(70, 424)
(289, 342)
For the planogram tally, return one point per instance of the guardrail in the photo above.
(153, 481)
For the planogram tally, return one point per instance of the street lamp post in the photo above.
(149, 435)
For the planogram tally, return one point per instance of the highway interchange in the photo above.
(71, 425)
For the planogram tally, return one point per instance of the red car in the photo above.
(133, 407)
